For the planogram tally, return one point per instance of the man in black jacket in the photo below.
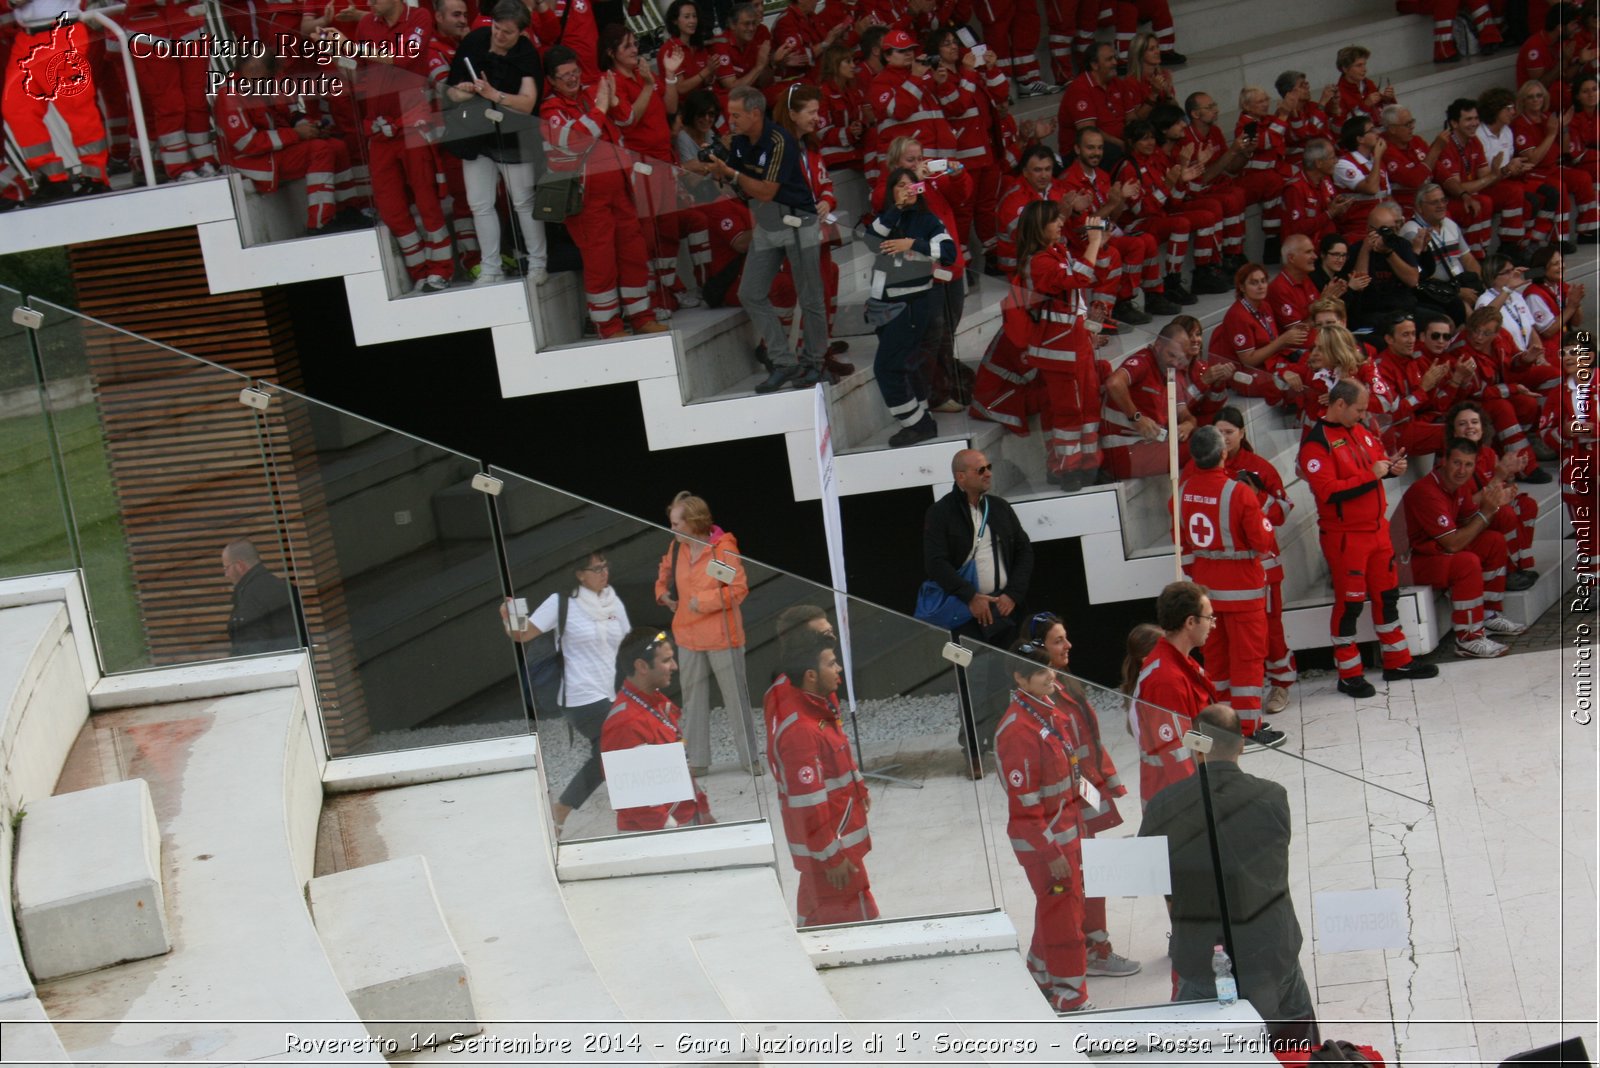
(1251, 820)
(263, 619)
(969, 523)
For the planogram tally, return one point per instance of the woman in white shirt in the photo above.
(596, 622)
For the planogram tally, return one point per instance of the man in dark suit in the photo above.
(1251, 820)
(263, 619)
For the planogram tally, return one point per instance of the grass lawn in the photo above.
(33, 528)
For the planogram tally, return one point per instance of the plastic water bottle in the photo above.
(1222, 968)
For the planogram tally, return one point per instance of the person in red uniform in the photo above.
(1267, 134)
(744, 55)
(844, 106)
(1098, 98)
(823, 798)
(1583, 149)
(801, 33)
(402, 164)
(1219, 181)
(686, 39)
(1244, 464)
(1408, 161)
(1312, 204)
(1046, 311)
(1512, 407)
(1291, 294)
(1443, 13)
(1223, 538)
(1556, 53)
(1096, 766)
(644, 715)
(450, 24)
(1011, 28)
(579, 135)
(1454, 548)
(1171, 688)
(1423, 385)
(173, 88)
(1517, 521)
(1539, 135)
(269, 146)
(1140, 254)
(1036, 753)
(910, 100)
(1126, 16)
(643, 102)
(1133, 421)
(1357, 94)
(1478, 189)
(1567, 425)
(1248, 338)
(1163, 210)
(1345, 465)
(1360, 174)
(978, 87)
(570, 23)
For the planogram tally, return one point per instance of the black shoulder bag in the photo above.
(547, 667)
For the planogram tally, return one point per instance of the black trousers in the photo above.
(984, 687)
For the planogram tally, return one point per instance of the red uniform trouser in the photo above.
(986, 199)
(615, 278)
(111, 81)
(1006, 390)
(1013, 33)
(1231, 200)
(1475, 577)
(1265, 187)
(404, 173)
(1361, 568)
(1236, 659)
(174, 91)
(1556, 191)
(1096, 939)
(1281, 670)
(655, 196)
(1515, 522)
(323, 163)
(1141, 263)
(1061, 16)
(1057, 956)
(1511, 417)
(1443, 13)
(74, 102)
(1416, 437)
(1072, 412)
(1171, 231)
(1577, 493)
(1109, 272)
(819, 903)
(1584, 187)
(455, 207)
(1205, 216)
(1541, 376)
(1477, 229)
(1129, 13)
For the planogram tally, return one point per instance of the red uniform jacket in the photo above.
(824, 799)
(649, 719)
(1272, 143)
(1088, 103)
(1336, 462)
(842, 106)
(1224, 539)
(1461, 159)
(652, 134)
(581, 34)
(1432, 511)
(1275, 505)
(1171, 690)
(1012, 203)
(907, 106)
(1035, 749)
(252, 129)
(391, 91)
(575, 127)
(1305, 206)
(1094, 761)
(1046, 303)
(1406, 167)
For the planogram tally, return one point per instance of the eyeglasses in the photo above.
(1207, 619)
(1334, 254)
(597, 568)
(1438, 337)
(984, 470)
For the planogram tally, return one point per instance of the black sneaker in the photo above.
(1535, 476)
(1210, 280)
(1128, 312)
(1518, 581)
(1176, 292)
(1267, 737)
(778, 379)
(1357, 687)
(1413, 670)
(915, 435)
(762, 358)
(1157, 303)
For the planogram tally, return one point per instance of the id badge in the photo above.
(1090, 795)
(880, 280)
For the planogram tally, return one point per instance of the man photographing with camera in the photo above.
(766, 166)
(1394, 266)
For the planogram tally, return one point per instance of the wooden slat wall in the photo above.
(190, 464)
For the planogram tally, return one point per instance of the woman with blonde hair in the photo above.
(702, 579)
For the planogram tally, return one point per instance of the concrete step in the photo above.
(88, 881)
(1204, 26)
(392, 950)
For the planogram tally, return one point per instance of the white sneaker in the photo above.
(207, 170)
(487, 278)
(688, 299)
(1498, 624)
(1481, 648)
(189, 176)
(538, 275)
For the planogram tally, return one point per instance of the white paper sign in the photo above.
(1126, 867)
(647, 775)
(1350, 920)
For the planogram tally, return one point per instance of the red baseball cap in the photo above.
(899, 39)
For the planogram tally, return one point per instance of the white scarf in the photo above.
(601, 607)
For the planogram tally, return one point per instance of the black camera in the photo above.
(717, 150)
(1251, 129)
(1386, 232)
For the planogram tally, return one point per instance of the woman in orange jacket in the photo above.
(707, 626)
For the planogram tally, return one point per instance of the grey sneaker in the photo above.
(1482, 648)
(1112, 964)
(1502, 625)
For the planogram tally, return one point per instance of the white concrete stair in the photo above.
(88, 881)
(393, 951)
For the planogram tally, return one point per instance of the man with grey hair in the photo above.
(767, 168)
(1312, 204)
(1444, 252)
(1306, 118)
(1133, 421)
(1391, 261)
(1409, 160)
(1223, 538)
(1247, 822)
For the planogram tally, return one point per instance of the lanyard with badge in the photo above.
(677, 732)
(1047, 729)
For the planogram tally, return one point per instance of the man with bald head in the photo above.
(262, 618)
(1409, 160)
(1394, 265)
(971, 526)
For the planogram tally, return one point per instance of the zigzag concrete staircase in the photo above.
(682, 939)
(696, 384)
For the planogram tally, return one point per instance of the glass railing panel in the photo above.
(171, 507)
(556, 546)
(395, 556)
(900, 803)
(38, 537)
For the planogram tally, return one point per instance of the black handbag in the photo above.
(1437, 291)
(559, 195)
